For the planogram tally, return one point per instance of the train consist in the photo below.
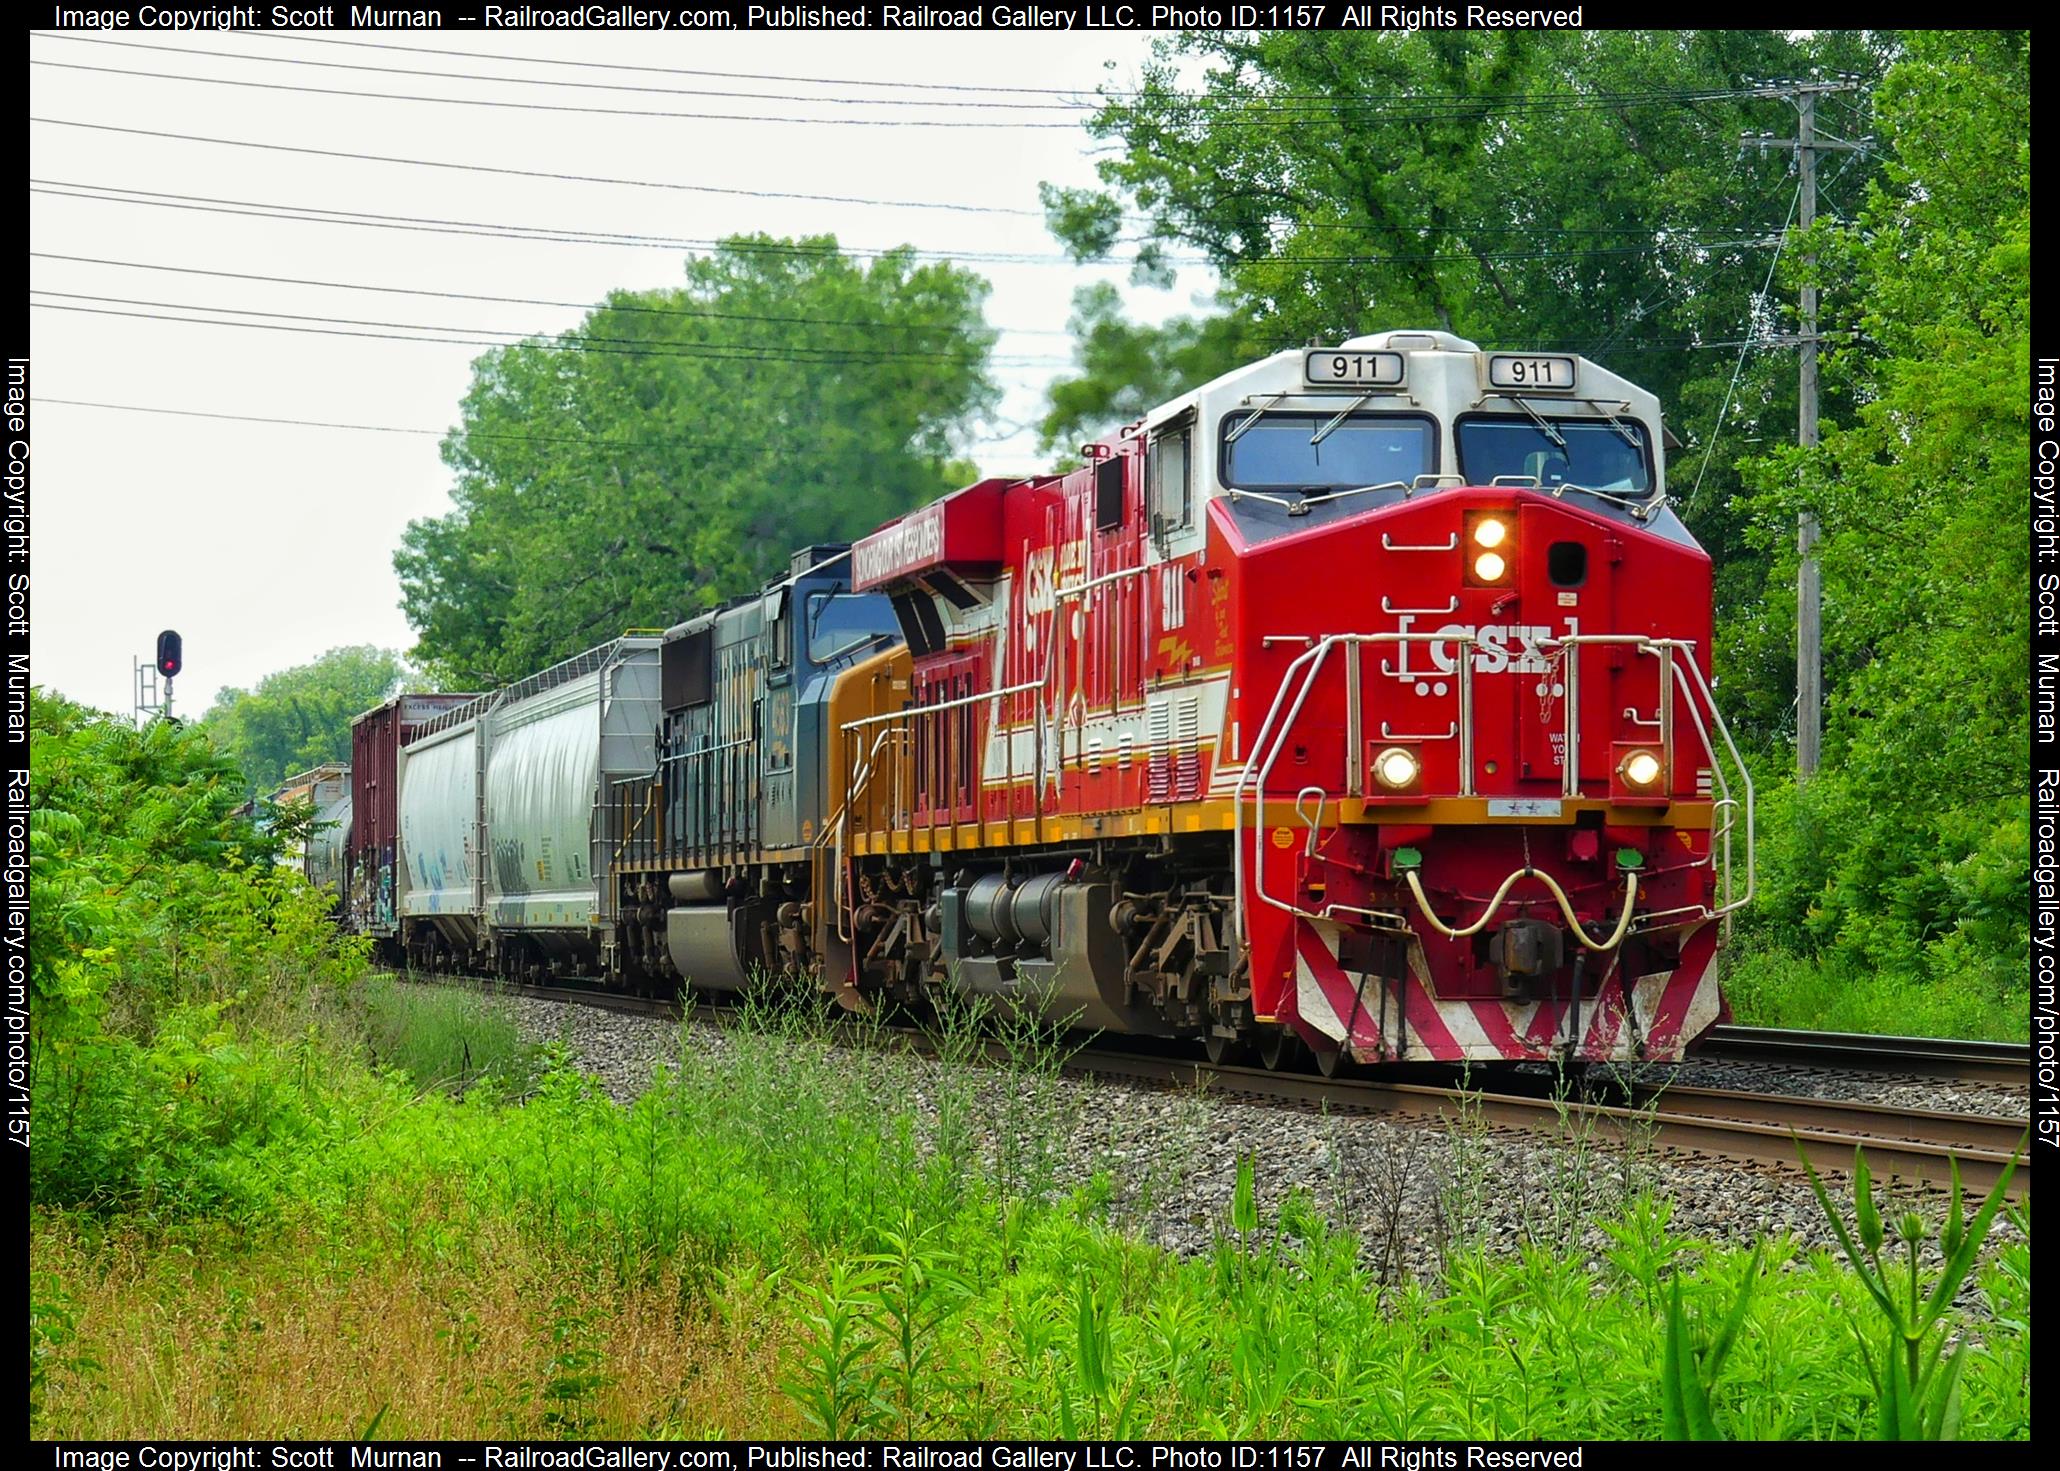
(1356, 701)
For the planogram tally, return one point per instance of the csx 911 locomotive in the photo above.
(1357, 700)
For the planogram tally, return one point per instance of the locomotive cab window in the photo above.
(1591, 454)
(779, 629)
(1321, 451)
(846, 623)
(1108, 493)
(1166, 472)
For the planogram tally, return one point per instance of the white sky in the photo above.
(265, 545)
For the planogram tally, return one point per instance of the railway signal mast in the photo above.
(1807, 143)
(171, 658)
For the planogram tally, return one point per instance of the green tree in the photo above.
(1126, 368)
(1911, 848)
(300, 717)
(1574, 190)
(678, 445)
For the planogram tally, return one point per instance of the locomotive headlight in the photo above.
(1640, 769)
(1489, 533)
(1396, 769)
(1489, 566)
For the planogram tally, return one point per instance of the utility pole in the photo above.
(1809, 598)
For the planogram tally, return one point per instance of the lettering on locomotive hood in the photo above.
(1498, 648)
(916, 540)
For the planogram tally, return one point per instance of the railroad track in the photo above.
(1912, 1146)
(1925, 1057)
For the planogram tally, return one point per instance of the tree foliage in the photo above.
(1576, 190)
(672, 451)
(299, 718)
(157, 923)
(1912, 847)
(1126, 368)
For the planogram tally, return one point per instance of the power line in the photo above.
(554, 234)
(480, 168)
(797, 448)
(678, 71)
(613, 306)
(750, 352)
(406, 71)
(1264, 102)
(436, 334)
(563, 235)
(1717, 429)
(1427, 110)
(721, 117)
(1528, 229)
(1592, 99)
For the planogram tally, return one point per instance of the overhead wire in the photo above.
(1528, 228)
(1423, 110)
(480, 168)
(405, 71)
(727, 445)
(554, 234)
(1717, 429)
(447, 335)
(708, 313)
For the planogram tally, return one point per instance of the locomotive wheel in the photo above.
(1276, 1048)
(1335, 1063)
(1221, 1049)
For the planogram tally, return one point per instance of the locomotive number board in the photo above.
(1352, 369)
(1530, 371)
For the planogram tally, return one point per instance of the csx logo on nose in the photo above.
(1500, 647)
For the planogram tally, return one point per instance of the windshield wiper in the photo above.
(1616, 424)
(1350, 409)
(1544, 424)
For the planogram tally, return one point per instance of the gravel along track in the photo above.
(1405, 1185)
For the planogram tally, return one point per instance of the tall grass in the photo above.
(785, 1236)
(1772, 987)
(442, 1036)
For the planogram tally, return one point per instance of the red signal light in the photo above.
(171, 654)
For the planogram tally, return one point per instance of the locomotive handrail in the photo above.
(910, 711)
(1672, 675)
(1299, 679)
(1310, 664)
(1659, 648)
(706, 750)
(1730, 905)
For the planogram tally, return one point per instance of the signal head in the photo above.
(171, 654)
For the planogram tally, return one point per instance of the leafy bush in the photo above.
(166, 953)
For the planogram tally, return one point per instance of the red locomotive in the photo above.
(1360, 697)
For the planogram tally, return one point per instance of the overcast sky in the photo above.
(266, 544)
